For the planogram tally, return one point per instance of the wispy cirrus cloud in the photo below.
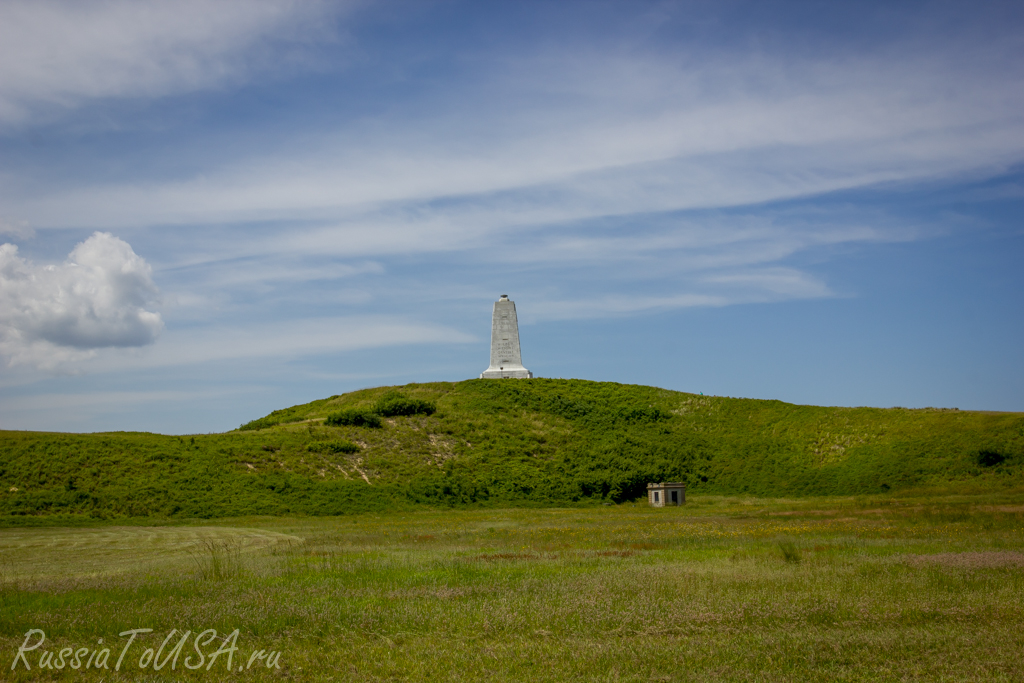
(749, 286)
(561, 137)
(16, 229)
(256, 343)
(61, 54)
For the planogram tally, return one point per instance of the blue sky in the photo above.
(209, 211)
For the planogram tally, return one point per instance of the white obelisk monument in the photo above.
(506, 360)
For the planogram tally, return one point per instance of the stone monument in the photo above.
(506, 360)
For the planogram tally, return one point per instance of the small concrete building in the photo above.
(666, 493)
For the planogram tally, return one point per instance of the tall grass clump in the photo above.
(217, 560)
(790, 553)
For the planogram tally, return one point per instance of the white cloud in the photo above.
(298, 338)
(771, 284)
(612, 306)
(295, 338)
(750, 286)
(16, 229)
(99, 297)
(620, 136)
(122, 399)
(256, 274)
(64, 53)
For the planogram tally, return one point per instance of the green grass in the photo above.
(882, 588)
(486, 443)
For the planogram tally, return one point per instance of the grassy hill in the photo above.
(488, 443)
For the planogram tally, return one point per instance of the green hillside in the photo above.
(490, 443)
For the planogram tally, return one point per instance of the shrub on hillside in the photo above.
(642, 415)
(332, 447)
(596, 413)
(568, 408)
(989, 458)
(352, 417)
(395, 405)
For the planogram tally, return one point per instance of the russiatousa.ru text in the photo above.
(205, 649)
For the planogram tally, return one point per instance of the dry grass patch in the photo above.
(40, 554)
(992, 559)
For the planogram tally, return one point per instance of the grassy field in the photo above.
(726, 588)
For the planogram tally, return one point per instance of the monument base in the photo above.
(507, 373)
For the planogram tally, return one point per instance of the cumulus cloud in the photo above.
(101, 296)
